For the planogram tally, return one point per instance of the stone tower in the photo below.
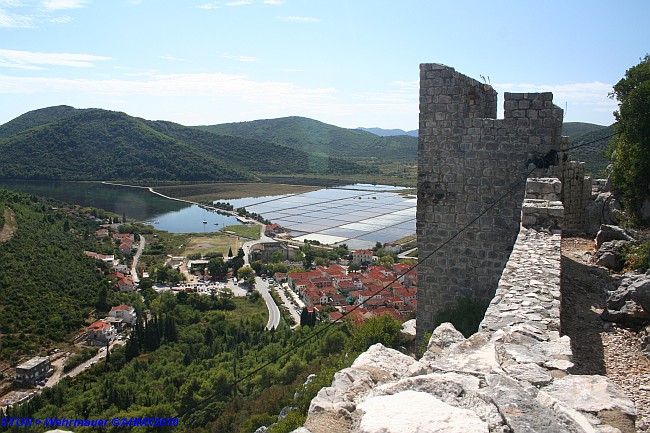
(468, 160)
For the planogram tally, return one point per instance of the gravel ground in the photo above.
(600, 347)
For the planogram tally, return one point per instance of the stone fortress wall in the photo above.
(467, 160)
(514, 374)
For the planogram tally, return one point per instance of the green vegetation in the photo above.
(593, 155)
(466, 315)
(107, 145)
(47, 285)
(245, 231)
(636, 256)
(198, 360)
(322, 139)
(630, 150)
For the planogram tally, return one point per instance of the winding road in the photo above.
(261, 285)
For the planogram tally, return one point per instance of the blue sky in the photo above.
(346, 62)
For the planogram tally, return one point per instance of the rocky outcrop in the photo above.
(603, 209)
(511, 376)
(609, 233)
(629, 304)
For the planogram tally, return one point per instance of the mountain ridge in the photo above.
(65, 143)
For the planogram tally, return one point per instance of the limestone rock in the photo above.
(475, 355)
(604, 209)
(609, 253)
(445, 386)
(408, 330)
(595, 395)
(412, 412)
(629, 304)
(522, 412)
(531, 373)
(609, 261)
(386, 364)
(611, 233)
(444, 336)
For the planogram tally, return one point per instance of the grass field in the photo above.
(212, 244)
(247, 231)
(224, 191)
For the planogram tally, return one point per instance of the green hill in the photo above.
(47, 284)
(593, 155)
(92, 144)
(34, 118)
(323, 139)
(572, 129)
(257, 155)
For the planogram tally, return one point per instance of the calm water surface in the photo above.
(136, 203)
(358, 215)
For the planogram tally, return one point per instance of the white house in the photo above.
(124, 313)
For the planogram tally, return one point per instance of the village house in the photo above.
(362, 257)
(34, 370)
(123, 314)
(100, 333)
(273, 229)
(108, 259)
(101, 234)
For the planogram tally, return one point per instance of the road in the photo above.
(57, 365)
(134, 268)
(261, 285)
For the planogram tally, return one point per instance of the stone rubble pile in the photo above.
(511, 376)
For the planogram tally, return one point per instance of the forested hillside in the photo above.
(256, 155)
(594, 145)
(47, 285)
(64, 143)
(317, 137)
(189, 358)
(106, 145)
(36, 118)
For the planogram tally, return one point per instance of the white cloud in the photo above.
(213, 5)
(238, 3)
(34, 60)
(213, 84)
(587, 93)
(274, 2)
(239, 58)
(174, 59)
(29, 14)
(299, 19)
(16, 21)
(53, 5)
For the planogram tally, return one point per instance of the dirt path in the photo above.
(600, 347)
(10, 226)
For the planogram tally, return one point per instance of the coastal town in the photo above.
(354, 287)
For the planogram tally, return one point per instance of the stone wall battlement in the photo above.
(467, 160)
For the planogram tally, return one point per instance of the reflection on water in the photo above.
(136, 203)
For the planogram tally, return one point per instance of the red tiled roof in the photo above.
(98, 326)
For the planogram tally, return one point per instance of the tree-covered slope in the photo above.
(256, 155)
(47, 284)
(35, 118)
(64, 143)
(573, 129)
(317, 137)
(98, 144)
(593, 154)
